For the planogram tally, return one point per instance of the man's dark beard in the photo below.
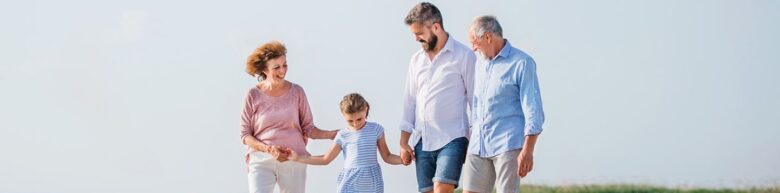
(430, 45)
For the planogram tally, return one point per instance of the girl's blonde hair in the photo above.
(353, 103)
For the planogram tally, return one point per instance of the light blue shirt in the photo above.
(507, 104)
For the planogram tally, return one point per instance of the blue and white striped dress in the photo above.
(361, 171)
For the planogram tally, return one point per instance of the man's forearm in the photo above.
(405, 138)
(530, 142)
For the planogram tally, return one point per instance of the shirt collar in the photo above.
(506, 50)
(448, 45)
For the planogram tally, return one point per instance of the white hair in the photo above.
(486, 23)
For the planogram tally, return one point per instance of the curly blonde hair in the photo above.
(258, 60)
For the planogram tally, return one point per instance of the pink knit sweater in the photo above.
(283, 120)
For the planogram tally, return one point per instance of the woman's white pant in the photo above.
(265, 172)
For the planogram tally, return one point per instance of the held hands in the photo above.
(293, 155)
(280, 154)
(407, 154)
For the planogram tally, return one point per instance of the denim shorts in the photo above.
(443, 165)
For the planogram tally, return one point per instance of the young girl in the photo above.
(358, 143)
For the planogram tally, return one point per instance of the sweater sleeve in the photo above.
(304, 112)
(248, 117)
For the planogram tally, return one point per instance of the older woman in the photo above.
(276, 116)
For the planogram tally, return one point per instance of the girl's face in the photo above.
(356, 120)
(276, 69)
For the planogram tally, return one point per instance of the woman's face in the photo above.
(276, 69)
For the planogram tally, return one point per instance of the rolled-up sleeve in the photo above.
(468, 81)
(248, 117)
(530, 98)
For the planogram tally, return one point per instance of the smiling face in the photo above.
(479, 45)
(424, 34)
(356, 120)
(276, 69)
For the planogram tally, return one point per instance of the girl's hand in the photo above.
(280, 154)
(293, 155)
(407, 154)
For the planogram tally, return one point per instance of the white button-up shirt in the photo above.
(437, 96)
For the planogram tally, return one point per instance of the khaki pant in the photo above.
(481, 174)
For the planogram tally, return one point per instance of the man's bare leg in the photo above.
(439, 187)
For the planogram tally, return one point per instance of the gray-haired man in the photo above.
(507, 113)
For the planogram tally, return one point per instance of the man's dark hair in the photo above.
(425, 13)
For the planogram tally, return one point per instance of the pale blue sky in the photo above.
(144, 96)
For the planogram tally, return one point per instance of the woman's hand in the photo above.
(280, 154)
